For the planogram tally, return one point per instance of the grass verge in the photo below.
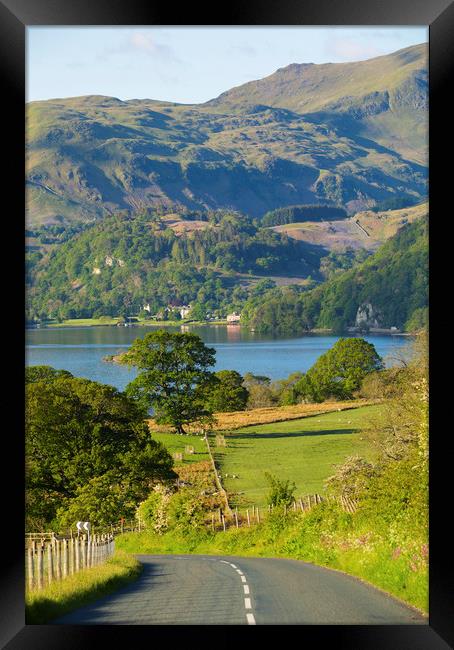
(84, 587)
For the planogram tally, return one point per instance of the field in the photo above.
(239, 419)
(302, 450)
(175, 443)
(107, 320)
(344, 233)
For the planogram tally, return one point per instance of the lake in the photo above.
(81, 350)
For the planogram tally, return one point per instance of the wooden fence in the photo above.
(51, 556)
(254, 515)
(54, 559)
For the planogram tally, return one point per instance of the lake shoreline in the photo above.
(222, 323)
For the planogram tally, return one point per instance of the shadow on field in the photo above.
(294, 434)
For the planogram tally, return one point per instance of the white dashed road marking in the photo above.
(247, 601)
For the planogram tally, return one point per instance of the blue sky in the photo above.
(188, 64)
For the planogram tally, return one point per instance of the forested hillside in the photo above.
(119, 264)
(389, 289)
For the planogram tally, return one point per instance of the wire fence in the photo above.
(222, 520)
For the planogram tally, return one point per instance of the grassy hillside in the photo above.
(383, 98)
(365, 230)
(343, 134)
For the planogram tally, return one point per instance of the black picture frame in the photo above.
(15, 16)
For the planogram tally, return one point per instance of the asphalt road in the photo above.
(220, 590)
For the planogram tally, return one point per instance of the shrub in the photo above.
(351, 477)
(153, 511)
(186, 511)
(281, 492)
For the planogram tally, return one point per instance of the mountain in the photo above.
(350, 135)
(384, 98)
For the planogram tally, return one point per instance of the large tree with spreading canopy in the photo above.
(173, 376)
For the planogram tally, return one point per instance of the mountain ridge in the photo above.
(91, 156)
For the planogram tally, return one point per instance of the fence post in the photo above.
(49, 563)
(30, 568)
(58, 559)
(40, 566)
(236, 517)
(248, 518)
(258, 515)
(83, 554)
(71, 558)
(65, 558)
(223, 522)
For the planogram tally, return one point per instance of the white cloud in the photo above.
(349, 49)
(147, 43)
(142, 43)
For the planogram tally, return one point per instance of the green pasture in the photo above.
(303, 451)
(175, 443)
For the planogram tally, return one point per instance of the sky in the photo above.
(188, 64)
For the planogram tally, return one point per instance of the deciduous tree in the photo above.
(173, 376)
